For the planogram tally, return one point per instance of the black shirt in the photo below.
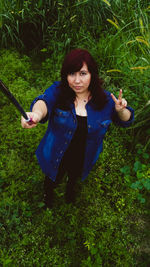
(74, 155)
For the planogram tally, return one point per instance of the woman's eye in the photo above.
(72, 73)
(83, 73)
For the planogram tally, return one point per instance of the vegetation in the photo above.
(109, 224)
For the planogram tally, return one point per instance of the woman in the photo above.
(79, 113)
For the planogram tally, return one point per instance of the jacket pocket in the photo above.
(61, 113)
(103, 126)
(61, 120)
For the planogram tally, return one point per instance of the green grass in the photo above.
(109, 225)
(104, 228)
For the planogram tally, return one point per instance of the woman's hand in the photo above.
(120, 106)
(120, 103)
(39, 111)
(34, 117)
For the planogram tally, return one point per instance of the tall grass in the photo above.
(126, 62)
(116, 33)
(66, 20)
(58, 20)
(24, 24)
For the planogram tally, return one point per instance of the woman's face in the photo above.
(79, 81)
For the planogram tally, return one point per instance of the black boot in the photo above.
(70, 195)
(48, 193)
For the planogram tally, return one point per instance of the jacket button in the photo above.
(66, 143)
(74, 121)
(57, 160)
(89, 126)
(70, 132)
(61, 152)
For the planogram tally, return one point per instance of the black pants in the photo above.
(73, 171)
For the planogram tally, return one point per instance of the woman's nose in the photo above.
(77, 78)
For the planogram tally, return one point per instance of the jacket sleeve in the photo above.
(50, 97)
(121, 123)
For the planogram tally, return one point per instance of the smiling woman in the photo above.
(79, 112)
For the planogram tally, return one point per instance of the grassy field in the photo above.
(109, 224)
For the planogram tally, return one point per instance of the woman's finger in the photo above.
(124, 102)
(114, 98)
(120, 95)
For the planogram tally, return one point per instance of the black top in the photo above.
(74, 155)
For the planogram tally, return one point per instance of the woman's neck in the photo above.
(83, 96)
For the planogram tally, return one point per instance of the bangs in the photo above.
(74, 61)
(74, 66)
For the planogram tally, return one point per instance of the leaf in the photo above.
(73, 18)
(130, 42)
(113, 23)
(136, 185)
(140, 68)
(106, 2)
(141, 199)
(139, 174)
(41, 205)
(146, 184)
(125, 170)
(141, 25)
(145, 156)
(140, 151)
(142, 40)
(87, 244)
(114, 70)
(40, 3)
(80, 3)
(137, 166)
(94, 251)
(44, 50)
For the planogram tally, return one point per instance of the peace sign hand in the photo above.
(120, 103)
(120, 106)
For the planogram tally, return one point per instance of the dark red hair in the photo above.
(73, 62)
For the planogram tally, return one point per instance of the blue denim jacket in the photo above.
(61, 128)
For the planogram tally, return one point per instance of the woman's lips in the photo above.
(77, 87)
